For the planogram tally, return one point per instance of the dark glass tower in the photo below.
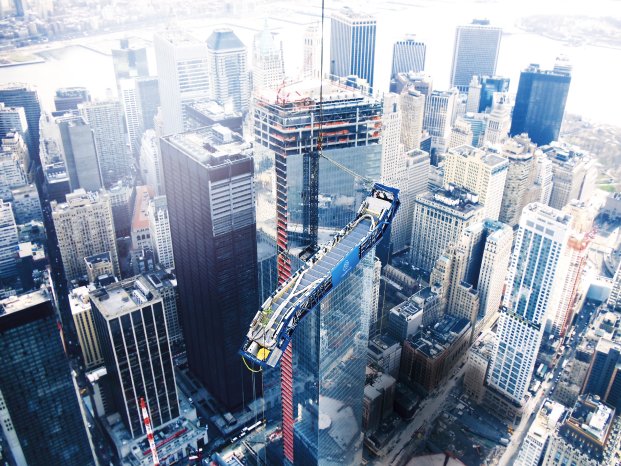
(209, 185)
(540, 104)
(489, 85)
(40, 413)
(131, 325)
(24, 95)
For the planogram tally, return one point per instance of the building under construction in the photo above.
(293, 125)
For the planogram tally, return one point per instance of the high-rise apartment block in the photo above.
(479, 172)
(535, 275)
(268, 66)
(540, 104)
(228, 70)
(215, 250)
(183, 75)
(159, 226)
(41, 419)
(352, 45)
(408, 55)
(439, 219)
(520, 152)
(475, 53)
(131, 326)
(106, 121)
(84, 226)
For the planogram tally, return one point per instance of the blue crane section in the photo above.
(274, 324)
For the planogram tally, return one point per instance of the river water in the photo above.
(594, 91)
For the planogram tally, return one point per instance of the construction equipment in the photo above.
(274, 324)
(147, 424)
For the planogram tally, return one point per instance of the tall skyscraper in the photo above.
(408, 55)
(439, 219)
(8, 241)
(519, 151)
(40, 412)
(352, 45)
(573, 177)
(540, 104)
(413, 180)
(183, 75)
(312, 52)
(440, 113)
(151, 162)
(159, 225)
(215, 251)
(475, 53)
(148, 96)
(412, 115)
(489, 86)
(131, 325)
(106, 121)
(80, 153)
(391, 141)
(128, 96)
(13, 120)
(228, 69)
(481, 173)
(129, 61)
(535, 275)
(84, 227)
(24, 95)
(268, 66)
(329, 422)
(83, 318)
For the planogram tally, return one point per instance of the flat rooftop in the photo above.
(333, 91)
(19, 303)
(140, 219)
(79, 301)
(212, 146)
(460, 201)
(120, 298)
(488, 158)
(435, 340)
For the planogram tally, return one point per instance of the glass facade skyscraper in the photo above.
(475, 53)
(39, 411)
(536, 275)
(352, 45)
(540, 104)
(210, 192)
(330, 355)
(408, 55)
(24, 95)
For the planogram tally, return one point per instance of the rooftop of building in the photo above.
(212, 146)
(536, 69)
(458, 200)
(18, 303)
(120, 298)
(75, 91)
(376, 383)
(546, 213)
(140, 218)
(224, 39)
(178, 37)
(352, 15)
(589, 426)
(488, 158)
(75, 199)
(433, 341)
(415, 304)
(30, 249)
(213, 110)
(307, 92)
(98, 258)
(14, 86)
(79, 301)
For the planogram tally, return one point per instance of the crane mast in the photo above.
(149, 428)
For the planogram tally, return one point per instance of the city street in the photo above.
(429, 409)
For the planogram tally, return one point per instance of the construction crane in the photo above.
(147, 424)
(274, 324)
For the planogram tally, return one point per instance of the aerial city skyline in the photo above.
(227, 253)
